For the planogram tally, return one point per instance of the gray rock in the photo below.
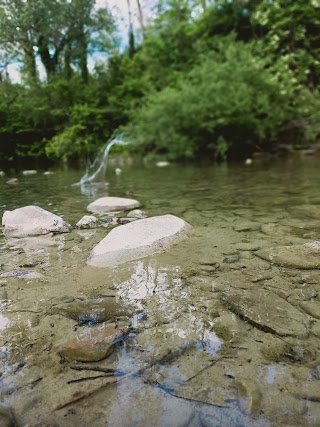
(137, 240)
(265, 310)
(247, 226)
(312, 308)
(94, 344)
(92, 311)
(13, 181)
(87, 221)
(6, 416)
(29, 172)
(306, 256)
(137, 213)
(229, 259)
(307, 211)
(3, 294)
(247, 247)
(162, 164)
(32, 221)
(112, 204)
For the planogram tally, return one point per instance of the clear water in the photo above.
(209, 367)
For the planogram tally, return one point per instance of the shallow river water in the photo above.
(220, 334)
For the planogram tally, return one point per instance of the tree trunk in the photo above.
(204, 4)
(141, 18)
(29, 61)
(131, 35)
(67, 62)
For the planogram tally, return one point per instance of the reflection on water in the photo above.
(194, 359)
(4, 322)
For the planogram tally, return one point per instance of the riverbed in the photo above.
(221, 334)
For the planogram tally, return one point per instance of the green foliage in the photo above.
(209, 78)
(226, 102)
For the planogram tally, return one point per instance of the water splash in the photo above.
(99, 166)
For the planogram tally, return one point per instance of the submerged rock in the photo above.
(267, 311)
(87, 221)
(112, 204)
(312, 308)
(306, 256)
(94, 344)
(6, 416)
(23, 274)
(32, 221)
(92, 311)
(13, 181)
(137, 240)
(306, 211)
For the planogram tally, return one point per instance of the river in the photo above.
(220, 334)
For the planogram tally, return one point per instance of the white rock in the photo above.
(137, 240)
(162, 164)
(118, 171)
(32, 221)
(29, 172)
(2, 173)
(112, 204)
(137, 213)
(87, 221)
(48, 173)
(13, 181)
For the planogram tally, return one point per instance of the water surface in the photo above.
(195, 360)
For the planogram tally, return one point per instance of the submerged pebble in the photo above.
(94, 344)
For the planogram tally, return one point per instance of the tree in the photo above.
(60, 32)
(292, 32)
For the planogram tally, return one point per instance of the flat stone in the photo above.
(162, 164)
(249, 396)
(23, 274)
(137, 240)
(13, 181)
(29, 172)
(267, 311)
(306, 211)
(32, 221)
(6, 416)
(92, 311)
(247, 226)
(312, 308)
(229, 259)
(87, 221)
(94, 344)
(247, 247)
(112, 204)
(306, 256)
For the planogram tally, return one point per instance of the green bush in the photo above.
(229, 102)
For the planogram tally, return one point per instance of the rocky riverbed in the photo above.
(220, 328)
